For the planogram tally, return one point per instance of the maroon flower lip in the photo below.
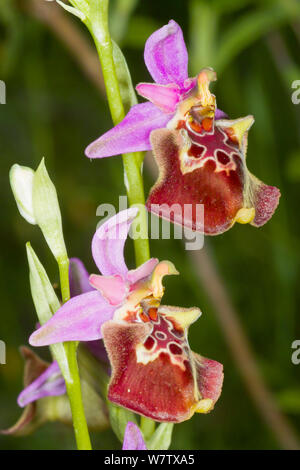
(155, 373)
(202, 160)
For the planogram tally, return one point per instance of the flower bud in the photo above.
(36, 198)
(21, 181)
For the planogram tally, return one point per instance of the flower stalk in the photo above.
(75, 397)
(132, 162)
(63, 266)
(73, 385)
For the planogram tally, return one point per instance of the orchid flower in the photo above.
(44, 398)
(166, 59)
(154, 372)
(201, 155)
(43, 380)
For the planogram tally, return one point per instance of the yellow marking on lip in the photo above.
(184, 317)
(240, 127)
(204, 406)
(245, 215)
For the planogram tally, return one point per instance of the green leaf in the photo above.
(127, 91)
(250, 27)
(72, 10)
(161, 438)
(46, 303)
(47, 212)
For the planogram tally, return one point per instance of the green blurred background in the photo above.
(54, 111)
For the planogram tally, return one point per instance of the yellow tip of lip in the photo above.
(204, 406)
(245, 215)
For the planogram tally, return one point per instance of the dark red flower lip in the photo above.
(154, 373)
(202, 162)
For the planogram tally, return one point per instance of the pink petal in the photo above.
(49, 383)
(79, 319)
(131, 135)
(108, 243)
(79, 278)
(112, 288)
(135, 275)
(219, 114)
(133, 438)
(165, 97)
(166, 56)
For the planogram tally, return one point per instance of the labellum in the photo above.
(155, 373)
(202, 160)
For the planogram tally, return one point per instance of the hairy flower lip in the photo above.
(156, 387)
(226, 189)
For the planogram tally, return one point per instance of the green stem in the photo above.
(63, 266)
(73, 382)
(75, 397)
(132, 162)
